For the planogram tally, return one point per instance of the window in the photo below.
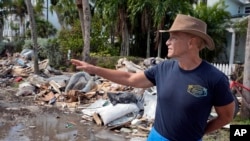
(247, 10)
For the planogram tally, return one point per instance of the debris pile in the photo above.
(118, 107)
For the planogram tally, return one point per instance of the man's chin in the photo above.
(169, 56)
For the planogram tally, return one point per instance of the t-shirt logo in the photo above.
(197, 90)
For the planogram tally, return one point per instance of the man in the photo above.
(187, 86)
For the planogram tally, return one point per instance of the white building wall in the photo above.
(237, 10)
(234, 6)
(52, 17)
(239, 56)
(211, 2)
(9, 33)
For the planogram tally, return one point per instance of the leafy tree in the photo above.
(115, 15)
(143, 9)
(20, 9)
(148, 17)
(5, 6)
(100, 42)
(218, 20)
(241, 26)
(164, 14)
(48, 49)
(136, 24)
(71, 39)
(54, 54)
(65, 10)
(44, 28)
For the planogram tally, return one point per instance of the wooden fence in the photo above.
(225, 68)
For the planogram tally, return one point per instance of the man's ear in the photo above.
(191, 41)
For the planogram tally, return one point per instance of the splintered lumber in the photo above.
(144, 128)
(55, 86)
(97, 119)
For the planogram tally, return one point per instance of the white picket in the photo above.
(225, 68)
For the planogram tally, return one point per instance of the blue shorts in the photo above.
(155, 136)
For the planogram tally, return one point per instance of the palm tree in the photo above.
(108, 17)
(218, 20)
(155, 16)
(143, 9)
(5, 8)
(65, 10)
(164, 14)
(20, 9)
(33, 34)
(115, 11)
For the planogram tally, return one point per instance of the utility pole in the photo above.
(47, 10)
(245, 106)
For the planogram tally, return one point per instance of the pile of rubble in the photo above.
(118, 107)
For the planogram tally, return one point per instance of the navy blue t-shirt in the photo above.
(185, 98)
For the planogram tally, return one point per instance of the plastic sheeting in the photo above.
(110, 113)
(150, 101)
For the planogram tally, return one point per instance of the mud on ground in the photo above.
(22, 120)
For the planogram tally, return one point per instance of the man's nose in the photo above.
(167, 42)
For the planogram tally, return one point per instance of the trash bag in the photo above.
(77, 79)
(122, 97)
(89, 86)
(150, 101)
(25, 89)
(27, 54)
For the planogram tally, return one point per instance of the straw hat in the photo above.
(193, 26)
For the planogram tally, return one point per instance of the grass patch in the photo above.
(239, 121)
(224, 134)
(219, 135)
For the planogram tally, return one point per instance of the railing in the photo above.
(228, 69)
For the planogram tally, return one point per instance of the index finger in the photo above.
(76, 62)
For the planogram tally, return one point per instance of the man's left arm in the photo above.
(225, 115)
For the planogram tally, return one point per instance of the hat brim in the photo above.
(208, 40)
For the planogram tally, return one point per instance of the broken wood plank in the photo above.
(55, 86)
(97, 119)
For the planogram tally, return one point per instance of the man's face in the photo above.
(178, 44)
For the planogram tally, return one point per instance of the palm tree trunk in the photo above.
(1, 32)
(245, 110)
(87, 26)
(33, 35)
(148, 27)
(60, 18)
(159, 45)
(125, 34)
(80, 12)
(148, 43)
(158, 38)
(112, 36)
